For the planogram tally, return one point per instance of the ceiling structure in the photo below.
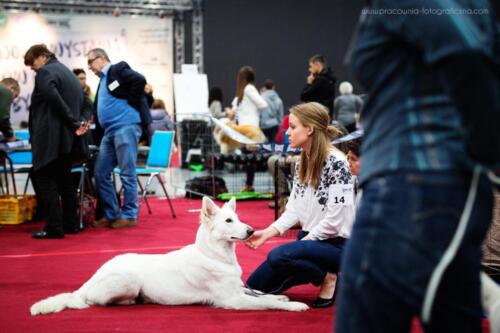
(114, 7)
(151, 8)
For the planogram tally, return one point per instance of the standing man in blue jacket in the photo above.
(121, 110)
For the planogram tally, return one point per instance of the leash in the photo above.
(254, 292)
(452, 249)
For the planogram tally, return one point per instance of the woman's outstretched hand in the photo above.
(260, 237)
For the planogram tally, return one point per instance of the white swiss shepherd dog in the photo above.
(206, 272)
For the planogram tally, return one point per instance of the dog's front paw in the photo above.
(282, 298)
(38, 309)
(35, 311)
(297, 306)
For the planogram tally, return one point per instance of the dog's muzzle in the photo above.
(250, 232)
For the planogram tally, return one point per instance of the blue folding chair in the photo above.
(22, 134)
(22, 160)
(157, 163)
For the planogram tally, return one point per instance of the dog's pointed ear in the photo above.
(208, 207)
(231, 204)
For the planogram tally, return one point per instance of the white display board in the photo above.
(191, 95)
(146, 43)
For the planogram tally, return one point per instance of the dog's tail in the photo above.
(58, 303)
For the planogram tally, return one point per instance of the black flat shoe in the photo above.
(71, 231)
(46, 235)
(323, 303)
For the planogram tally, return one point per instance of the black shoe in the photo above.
(323, 303)
(72, 231)
(45, 235)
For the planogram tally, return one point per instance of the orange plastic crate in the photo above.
(16, 209)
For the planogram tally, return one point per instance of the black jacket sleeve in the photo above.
(6, 128)
(134, 81)
(311, 91)
(87, 107)
(131, 88)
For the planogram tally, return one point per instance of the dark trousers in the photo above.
(99, 211)
(351, 127)
(250, 169)
(297, 263)
(404, 225)
(58, 195)
(270, 133)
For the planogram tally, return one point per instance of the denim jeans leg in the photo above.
(361, 304)
(269, 280)
(126, 141)
(309, 260)
(296, 263)
(106, 162)
(457, 306)
(395, 247)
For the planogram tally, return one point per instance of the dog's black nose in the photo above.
(250, 232)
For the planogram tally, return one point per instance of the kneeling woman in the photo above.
(321, 201)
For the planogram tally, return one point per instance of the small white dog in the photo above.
(206, 272)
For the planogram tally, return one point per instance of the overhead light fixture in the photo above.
(162, 14)
(117, 12)
(38, 8)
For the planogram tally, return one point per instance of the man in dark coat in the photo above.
(320, 83)
(57, 120)
(121, 110)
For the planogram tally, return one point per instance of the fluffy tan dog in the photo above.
(228, 145)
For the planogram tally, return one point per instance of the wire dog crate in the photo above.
(200, 156)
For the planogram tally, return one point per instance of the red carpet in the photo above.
(34, 269)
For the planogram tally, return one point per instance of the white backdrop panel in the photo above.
(191, 94)
(144, 42)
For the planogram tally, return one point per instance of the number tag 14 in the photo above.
(340, 194)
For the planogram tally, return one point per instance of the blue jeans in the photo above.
(296, 263)
(118, 148)
(404, 224)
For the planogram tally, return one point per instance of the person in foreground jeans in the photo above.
(121, 108)
(431, 125)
